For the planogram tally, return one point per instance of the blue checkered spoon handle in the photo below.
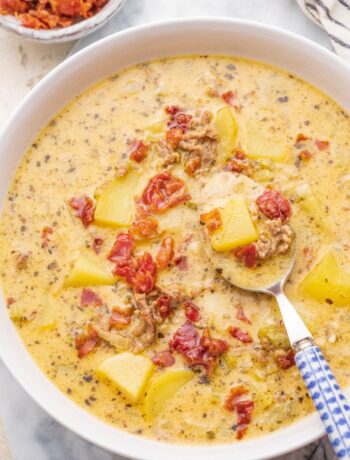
(326, 395)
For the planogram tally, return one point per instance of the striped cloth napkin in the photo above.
(334, 17)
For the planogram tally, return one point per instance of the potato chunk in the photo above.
(258, 145)
(327, 281)
(87, 270)
(175, 220)
(129, 372)
(313, 207)
(155, 130)
(115, 204)
(227, 128)
(47, 317)
(162, 388)
(237, 228)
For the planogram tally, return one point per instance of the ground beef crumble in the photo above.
(275, 238)
(199, 143)
(197, 146)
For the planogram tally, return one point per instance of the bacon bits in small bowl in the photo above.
(53, 21)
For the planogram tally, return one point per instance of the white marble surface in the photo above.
(32, 434)
(22, 64)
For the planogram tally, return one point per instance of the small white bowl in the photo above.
(64, 34)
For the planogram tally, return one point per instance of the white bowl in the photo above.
(64, 34)
(185, 36)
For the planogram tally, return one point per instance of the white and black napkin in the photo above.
(334, 17)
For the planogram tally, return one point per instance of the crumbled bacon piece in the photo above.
(173, 137)
(121, 254)
(165, 253)
(163, 191)
(125, 268)
(240, 155)
(163, 358)
(85, 208)
(99, 3)
(234, 166)
(138, 151)
(240, 335)
(243, 407)
(274, 205)
(247, 254)
(97, 244)
(181, 263)
(10, 301)
(70, 7)
(120, 318)
(228, 97)
(197, 350)
(86, 341)
(181, 119)
(31, 21)
(212, 220)
(163, 305)
(45, 236)
(235, 395)
(239, 164)
(142, 277)
(186, 341)
(192, 165)
(89, 298)
(178, 118)
(301, 137)
(214, 347)
(122, 248)
(305, 155)
(286, 360)
(118, 321)
(241, 315)
(172, 109)
(43, 19)
(144, 227)
(244, 411)
(13, 6)
(321, 145)
(177, 124)
(192, 312)
(139, 272)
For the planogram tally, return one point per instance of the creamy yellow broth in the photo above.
(77, 154)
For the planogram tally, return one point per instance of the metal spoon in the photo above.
(326, 394)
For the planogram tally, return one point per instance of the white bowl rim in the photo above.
(70, 33)
(279, 442)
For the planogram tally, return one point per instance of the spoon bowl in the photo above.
(264, 278)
